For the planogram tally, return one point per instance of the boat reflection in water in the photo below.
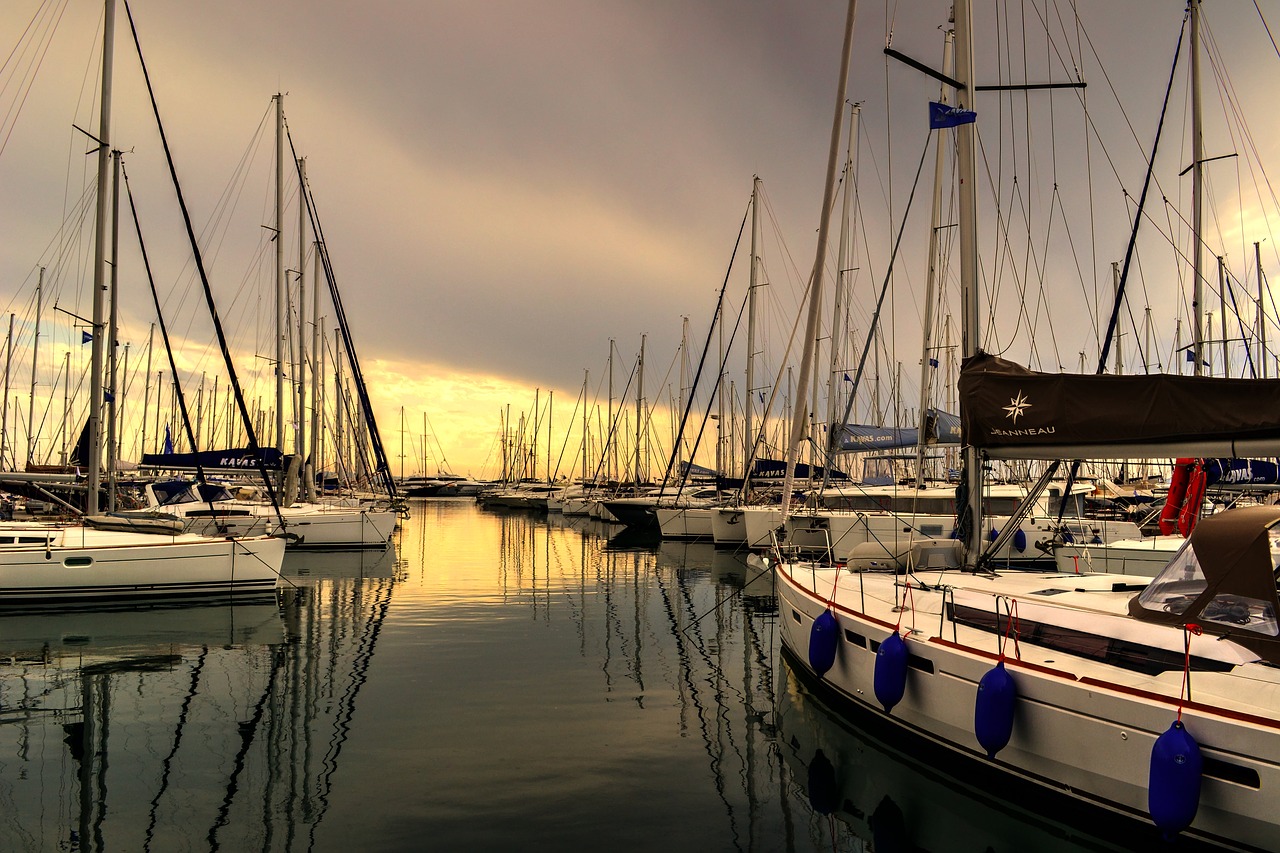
(865, 792)
(497, 682)
(166, 728)
(368, 563)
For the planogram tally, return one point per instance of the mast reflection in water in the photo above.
(210, 726)
(500, 680)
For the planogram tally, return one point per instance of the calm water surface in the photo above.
(497, 682)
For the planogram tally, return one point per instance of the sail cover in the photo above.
(940, 428)
(1010, 412)
(241, 458)
(1241, 472)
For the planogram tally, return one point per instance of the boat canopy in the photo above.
(1224, 580)
(1009, 412)
(170, 492)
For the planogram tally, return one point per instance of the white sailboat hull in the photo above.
(728, 529)
(882, 539)
(761, 522)
(1143, 557)
(685, 522)
(76, 564)
(1078, 729)
(306, 525)
(577, 506)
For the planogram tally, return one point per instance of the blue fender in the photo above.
(824, 640)
(993, 709)
(890, 679)
(1173, 793)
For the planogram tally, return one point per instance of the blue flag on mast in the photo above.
(944, 115)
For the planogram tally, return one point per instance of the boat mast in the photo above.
(316, 368)
(800, 413)
(931, 284)
(839, 318)
(1262, 316)
(66, 410)
(1222, 317)
(339, 404)
(639, 406)
(146, 393)
(99, 259)
(322, 396)
(613, 444)
(685, 391)
(280, 282)
(35, 349)
(721, 382)
(586, 377)
(300, 376)
(4, 405)
(1197, 193)
(113, 450)
(968, 214)
(1115, 284)
(748, 434)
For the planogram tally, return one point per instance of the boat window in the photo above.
(1001, 506)
(1074, 506)
(1178, 584)
(172, 492)
(183, 492)
(1240, 611)
(214, 492)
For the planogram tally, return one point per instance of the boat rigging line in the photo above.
(384, 467)
(1137, 216)
(706, 347)
(204, 278)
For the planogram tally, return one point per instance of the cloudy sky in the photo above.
(506, 187)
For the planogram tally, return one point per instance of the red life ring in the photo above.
(1177, 495)
(1190, 513)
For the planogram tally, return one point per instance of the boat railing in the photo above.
(947, 613)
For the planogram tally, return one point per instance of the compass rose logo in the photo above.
(1017, 407)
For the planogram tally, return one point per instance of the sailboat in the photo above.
(105, 557)
(1152, 704)
(212, 509)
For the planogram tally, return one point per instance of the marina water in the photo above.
(498, 681)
